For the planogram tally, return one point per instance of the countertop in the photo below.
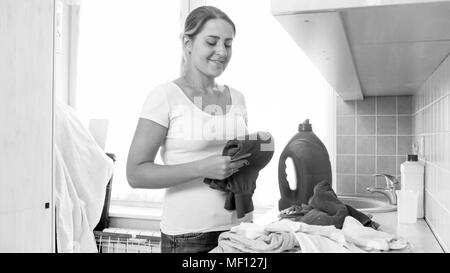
(418, 234)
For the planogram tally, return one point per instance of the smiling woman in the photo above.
(136, 46)
(193, 213)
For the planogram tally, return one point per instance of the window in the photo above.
(136, 43)
(126, 47)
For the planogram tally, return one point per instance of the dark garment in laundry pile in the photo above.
(324, 208)
(241, 185)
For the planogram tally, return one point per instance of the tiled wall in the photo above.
(373, 135)
(431, 121)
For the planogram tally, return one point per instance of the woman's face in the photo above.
(211, 48)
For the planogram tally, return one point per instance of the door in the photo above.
(26, 126)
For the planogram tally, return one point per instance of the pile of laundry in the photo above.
(324, 225)
(289, 236)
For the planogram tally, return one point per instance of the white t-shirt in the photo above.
(193, 135)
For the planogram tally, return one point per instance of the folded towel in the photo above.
(251, 238)
(286, 225)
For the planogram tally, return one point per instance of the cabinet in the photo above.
(26, 126)
(370, 47)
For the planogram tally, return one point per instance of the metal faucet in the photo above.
(389, 191)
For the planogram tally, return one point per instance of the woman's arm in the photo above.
(142, 172)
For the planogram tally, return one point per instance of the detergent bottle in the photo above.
(412, 178)
(311, 164)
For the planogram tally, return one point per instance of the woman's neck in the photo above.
(200, 82)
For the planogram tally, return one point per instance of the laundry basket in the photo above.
(118, 240)
(127, 241)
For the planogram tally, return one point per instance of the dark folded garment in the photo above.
(325, 208)
(241, 185)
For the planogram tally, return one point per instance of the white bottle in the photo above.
(412, 178)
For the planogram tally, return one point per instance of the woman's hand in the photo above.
(221, 167)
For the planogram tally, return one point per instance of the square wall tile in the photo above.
(404, 145)
(387, 105)
(404, 105)
(386, 125)
(365, 145)
(365, 125)
(387, 164)
(386, 145)
(404, 125)
(345, 184)
(366, 106)
(345, 125)
(365, 164)
(345, 107)
(345, 145)
(345, 164)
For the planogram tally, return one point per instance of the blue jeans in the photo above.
(201, 242)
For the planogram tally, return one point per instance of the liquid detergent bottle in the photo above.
(311, 164)
(412, 178)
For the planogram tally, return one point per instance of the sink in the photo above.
(367, 204)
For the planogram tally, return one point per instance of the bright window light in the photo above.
(128, 47)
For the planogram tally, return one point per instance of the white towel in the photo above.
(370, 239)
(288, 225)
(312, 243)
(82, 171)
(315, 238)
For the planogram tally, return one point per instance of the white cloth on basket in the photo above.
(82, 171)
